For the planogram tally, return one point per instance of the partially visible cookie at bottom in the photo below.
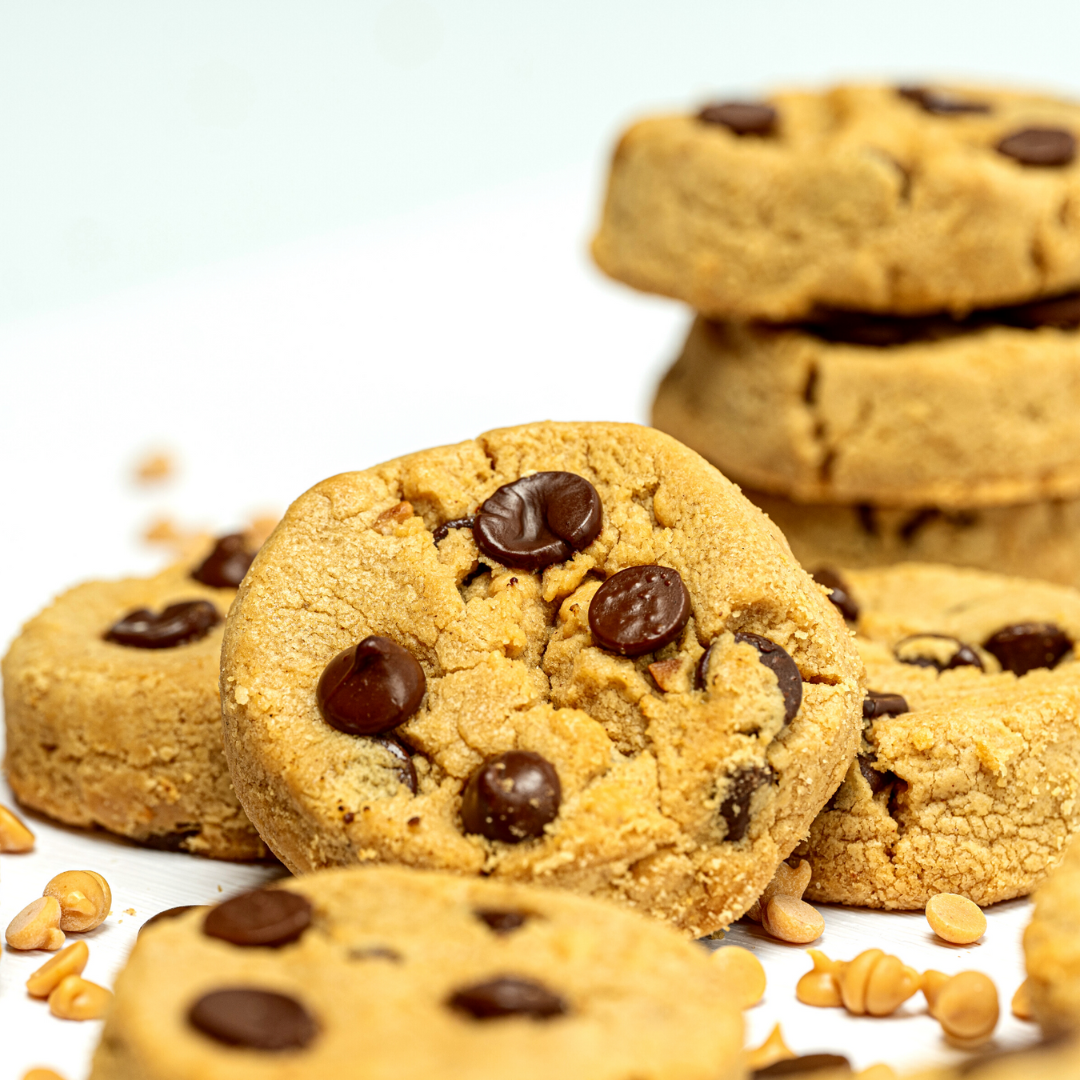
(418, 974)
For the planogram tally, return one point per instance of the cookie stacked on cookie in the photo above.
(887, 353)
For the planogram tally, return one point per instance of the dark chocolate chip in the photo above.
(175, 840)
(168, 913)
(917, 522)
(741, 117)
(1022, 647)
(879, 331)
(735, 809)
(805, 1063)
(1059, 312)
(867, 516)
(252, 1018)
(511, 797)
(178, 624)
(964, 656)
(267, 917)
(370, 688)
(226, 565)
(839, 592)
(877, 704)
(940, 102)
(878, 781)
(440, 534)
(405, 768)
(639, 610)
(507, 996)
(779, 662)
(539, 520)
(502, 922)
(1039, 146)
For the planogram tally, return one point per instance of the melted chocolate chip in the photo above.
(806, 1063)
(1022, 647)
(502, 922)
(735, 809)
(741, 117)
(405, 768)
(839, 592)
(940, 102)
(168, 913)
(266, 917)
(964, 656)
(371, 687)
(539, 520)
(226, 565)
(1058, 312)
(441, 533)
(256, 1019)
(507, 996)
(879, 331)
(511, 797)
(1044, 146)
(779, 662)
(178, 624)
(877, 704)
(878, 781)
(639, 610)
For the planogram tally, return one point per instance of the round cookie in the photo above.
(860, 197)
(968, 777)
(125, 734)
(418, 975)
(1051, 1059)
(895, 412)
(1037, 539)
(632, 769)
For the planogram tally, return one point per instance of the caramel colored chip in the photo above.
(78, 999)
(53, 972)
(1021, 1002)
(15, 837)
(790, 919)
(955, 919)
(84, 897)
(744, 973)
(966, 1006)
(772, 1050)
(37, 926)
(41, 1074)
(819, 987)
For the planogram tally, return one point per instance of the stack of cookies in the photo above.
(887, 354)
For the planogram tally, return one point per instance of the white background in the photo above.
(286, 240)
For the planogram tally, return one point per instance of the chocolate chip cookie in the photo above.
(870, 198)
(1050, 1059)
(564, 653)
(112, 711)
(897, 412)
(968, 776)
(418, 975)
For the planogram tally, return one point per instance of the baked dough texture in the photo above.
(860, 200)
(510, 664)
(126, 739)
(1052, 1059)
(387, 947)
(979, 418)
(980, 779)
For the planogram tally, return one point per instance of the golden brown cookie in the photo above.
(652, 709)
(968, 777)
(418, 975)
(858, 197)
(112, 711)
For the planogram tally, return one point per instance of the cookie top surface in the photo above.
(396, 968)
(579, 678)
(860, 197)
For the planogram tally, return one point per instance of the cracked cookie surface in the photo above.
(970, 783)
(679, 794)
(859, 198)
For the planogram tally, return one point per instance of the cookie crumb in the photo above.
(129, 911)
(155, 467)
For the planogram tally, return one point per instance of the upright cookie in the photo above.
(870, 198)
(968, 777)
(112, 711)
(895, 412)
(418, 975)
(563, 653)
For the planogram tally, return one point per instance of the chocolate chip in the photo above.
(267, 917)
(777, 660)
(178, 624)
(806, 1063)
(370, 688)
(507, 996)
(940, 102)
(735, 809)
(839, 591)
(1039, 146)
(405, 768)
(256, 1019)
(226, 565)
(964, 655)
(877, 704)
(1022, 647)
(639, 610)
(742, 117)
(511, 797)
(168, 913)
(879, 331)
(878, 781)
(539, 520)
(441, 533)
(502, 922)
(1059, 312)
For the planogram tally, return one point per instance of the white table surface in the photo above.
(263, 377)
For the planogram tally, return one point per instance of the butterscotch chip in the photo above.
(155, 467)
(773, 1049)
(876, 983)
(15, 837)
(41, 1074)
(955, 919)
(743, 971)
(966, 1006)
(37, 926)
(85, 899)
(1021, 1002)
(790, 879)
(819, 986)
(69, 961)
(76, 998)
(791, 919)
